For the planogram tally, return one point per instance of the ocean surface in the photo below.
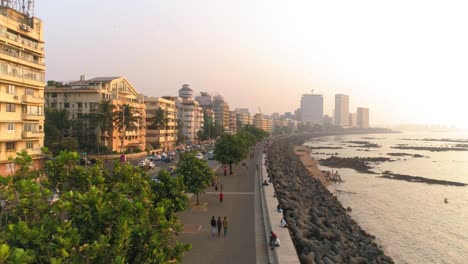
(410, 220)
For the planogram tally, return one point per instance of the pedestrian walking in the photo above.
(221, 196)
(257, 167)
(225, 170)
(216, 187)
(221, 187)
(213, 226)
(225, 226)
(219, 223)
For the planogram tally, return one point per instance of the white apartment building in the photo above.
(190, 114)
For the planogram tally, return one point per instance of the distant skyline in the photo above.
(404, 60)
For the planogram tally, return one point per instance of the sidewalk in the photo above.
(239, 208)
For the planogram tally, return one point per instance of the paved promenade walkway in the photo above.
(239, 205)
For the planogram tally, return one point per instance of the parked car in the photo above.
(211, 156)
(171, 153)
(199, 156)
(157, 157)
(151, 165)
(142, 163)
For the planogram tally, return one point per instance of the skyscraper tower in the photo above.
(342, 110)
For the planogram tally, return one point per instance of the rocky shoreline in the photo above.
(409, 178)
(359, 164)
(320, 227)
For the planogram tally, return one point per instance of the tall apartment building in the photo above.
(312, 109)
(363, 117)
(221, 112)
(21, 86)
(259, 121)
(165, 136)
(352, 120)
(243, 117)
(232, 122)
(342, 110)
(190, 114)
(80, 97)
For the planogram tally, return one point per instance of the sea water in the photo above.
(411, 221)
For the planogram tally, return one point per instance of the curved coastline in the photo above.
(321, 229)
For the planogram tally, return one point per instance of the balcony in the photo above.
(32, 100)
(28, 116)
(9, 98)
(10, 136)
(32, 134)
(34, 152)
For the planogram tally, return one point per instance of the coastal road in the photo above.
(238, 206)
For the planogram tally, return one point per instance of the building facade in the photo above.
(81, 98)
(166, 136)
(190, 115)
(221, 112)
(342, 110)
(363, 117)
(243, 117)
(22, 84)
(312, 109)
(352, 120)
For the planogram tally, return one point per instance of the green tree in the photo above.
(169, 190)
(196, 173)
(125, 120)
(103, 116)
(230, 149)
(159, 120)
(101, 216)
(260, 134)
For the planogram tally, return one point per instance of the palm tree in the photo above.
(160, 119)
(125, 121)
(103, 115)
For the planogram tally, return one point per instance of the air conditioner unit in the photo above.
(24, 27)
(16, 97)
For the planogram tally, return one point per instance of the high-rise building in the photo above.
(342, 110)
(243, 116)
(190, 114)
(21, 85)
(165, 136)
(363, 117)
(352, 120)
(312, 109)
(80, 98)
(221, 112)
(232, 122)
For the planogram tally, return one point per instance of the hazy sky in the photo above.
(405, 60)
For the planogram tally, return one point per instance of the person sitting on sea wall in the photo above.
(278, 208)
(283, 223)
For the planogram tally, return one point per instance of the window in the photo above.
(80, 105)
(53, 95)
(66, 105)
(11, 127)
(10, 107)
(29, 144)
(53, 105)
(85, 105)
(29, 127)
(10, 146)
(10, 167)
(29, 92)
(11, 89)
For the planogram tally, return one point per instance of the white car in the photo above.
(157, 157)
(199, 156)
(151, 165)
(142, 163)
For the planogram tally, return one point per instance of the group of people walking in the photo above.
(218, 225)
